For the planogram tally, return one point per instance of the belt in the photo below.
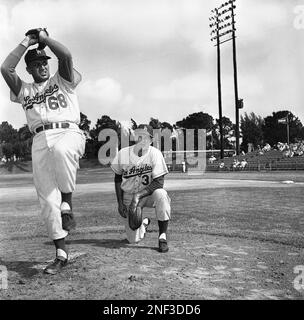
(53, 125)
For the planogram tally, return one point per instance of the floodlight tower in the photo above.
(222, 23)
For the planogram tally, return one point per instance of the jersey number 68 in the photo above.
(54, 102)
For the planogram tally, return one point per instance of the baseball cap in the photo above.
(145, 127)
(35, 54)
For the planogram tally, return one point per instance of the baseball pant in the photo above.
(55, 158)
(159, 200)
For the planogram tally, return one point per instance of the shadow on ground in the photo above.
(24, 268)
(105, 243)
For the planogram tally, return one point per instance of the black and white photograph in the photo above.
(151, 151)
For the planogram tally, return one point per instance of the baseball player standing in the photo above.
(139, 181)
(51, 107)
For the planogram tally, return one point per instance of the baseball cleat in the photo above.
(146, 223)
(162, 246)
(68, 221)
(56, 266)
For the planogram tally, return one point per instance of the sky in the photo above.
(154, 58)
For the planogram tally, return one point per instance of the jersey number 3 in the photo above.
(145, 180)
(54, 102)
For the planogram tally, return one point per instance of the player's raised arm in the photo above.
(65, 62)
(8, 67)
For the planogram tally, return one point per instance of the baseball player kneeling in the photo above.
(51, 107)
(139, 180)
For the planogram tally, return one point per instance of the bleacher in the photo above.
(270, 160)
(256, 161)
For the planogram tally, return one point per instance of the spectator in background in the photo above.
(266, 148)
(283, 146)
(250, 147)
(300, 150)
(243, 164)
(222, 165)
(235, 164)
(212, 159)
(260, 151)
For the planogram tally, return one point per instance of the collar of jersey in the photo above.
(135, 155)
(40, 84)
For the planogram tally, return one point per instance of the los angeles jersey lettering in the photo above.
(138, 172)
(51, 101)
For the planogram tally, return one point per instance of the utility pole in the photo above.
(219, 85)
(287, 122)
(236, 97)
(223, 24)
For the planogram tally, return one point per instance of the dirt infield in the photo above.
(229, 238)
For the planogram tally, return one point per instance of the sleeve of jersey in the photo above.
(115, 164)
(19, 98)
(159, 165)
(70, 85)
(157, 183)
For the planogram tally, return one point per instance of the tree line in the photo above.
(255, 130)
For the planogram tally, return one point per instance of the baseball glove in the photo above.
(123, 211)
(68, 221)
(35, 32)
(134, 214)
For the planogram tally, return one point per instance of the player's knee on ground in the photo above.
(162, 204)
(134, 236)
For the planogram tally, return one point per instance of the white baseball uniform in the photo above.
(137, 173)
(55, 152)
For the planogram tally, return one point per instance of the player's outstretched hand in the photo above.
(122, 209)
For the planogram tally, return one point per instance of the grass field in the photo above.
(232, 236)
